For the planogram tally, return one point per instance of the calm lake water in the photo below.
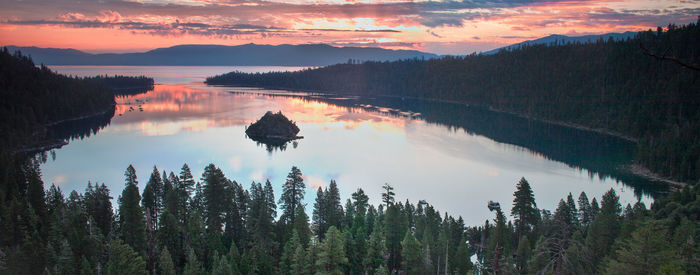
(453, 156)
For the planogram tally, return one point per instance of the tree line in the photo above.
(611, 85)
(176, 224)
(124, 85)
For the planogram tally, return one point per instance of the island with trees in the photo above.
(273, 129)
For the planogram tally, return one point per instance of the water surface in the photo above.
(453, 156)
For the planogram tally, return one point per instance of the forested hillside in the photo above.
(34, 97)
(174, 224)
(631, 87)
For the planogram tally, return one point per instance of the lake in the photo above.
(455, 157)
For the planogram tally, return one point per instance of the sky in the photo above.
(442, 27)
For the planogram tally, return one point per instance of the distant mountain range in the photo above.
(557, 38)
(212, 55)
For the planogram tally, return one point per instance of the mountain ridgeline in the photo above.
(631, 88)
(220, 55)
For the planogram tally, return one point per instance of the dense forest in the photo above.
(124, 85)
(35, 98)
(174, 224)
(646, 88)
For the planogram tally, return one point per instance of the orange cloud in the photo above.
(138, 25)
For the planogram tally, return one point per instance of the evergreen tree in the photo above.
(301, 225)
(132, 224)
(395, 226)
(192, 267)
(124, 260)
(335, 210)
(463, 263)
(644, 253)
(260, 220)
(573, 213)
(216, 197)
(320, 220)
(595, 209)
(331, 256)
(375, 250)
(604, 228)
(221, 265)
(498, 244)
(234, 259)
(411, 254)
(287, 260)
(360, 201)
(98, 205)
(165, 263)
(585, 211)
(388, 195)
(524, 209)
(152, 198)
(292, 195)
(523, 255)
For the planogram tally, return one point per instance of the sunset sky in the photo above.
(442, 27)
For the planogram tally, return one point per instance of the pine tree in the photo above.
(523, 255)
(320, 221)
(573, 213)
(165, 263)
(595, 209)
(260, 220)
(644, 253)
(395, 227)
(301, 225)
(292, 195)
(192, 267)
(498, 244)
(524, 209)
(604, 228)
(463, 263)
(411, 254)
(98, 205)
(388, 195)
(234, 259)
(375, 250)
(360, 201)
(124, 260)
(216, 197)
(153, 196)
(335, 210)
(221, 265)
(287, 260)
(132, 224)
(584, 209)
(331, 256)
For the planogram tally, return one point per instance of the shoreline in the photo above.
(53, 123)
(642, 171)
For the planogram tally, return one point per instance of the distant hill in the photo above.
(557, 38)
(218, 55)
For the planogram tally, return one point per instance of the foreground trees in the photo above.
(223, 228)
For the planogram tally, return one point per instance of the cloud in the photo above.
(315, 181)
(379, 23)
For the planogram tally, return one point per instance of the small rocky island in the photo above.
(274, 129)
